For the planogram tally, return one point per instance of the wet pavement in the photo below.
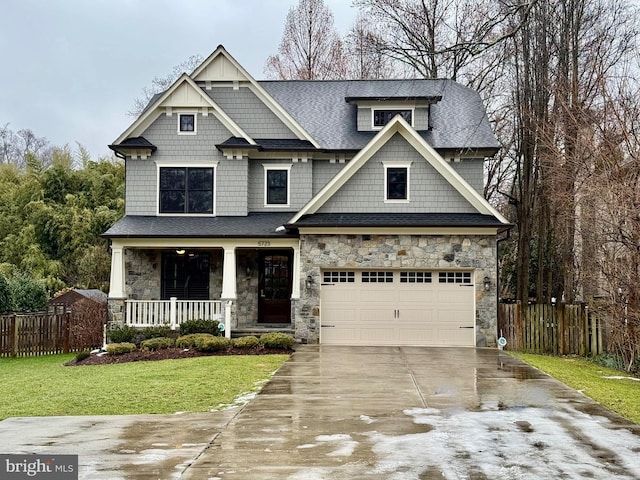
(361, 412)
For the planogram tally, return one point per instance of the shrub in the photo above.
(213, 344)
(156, 332)
(199, 326)
(191, 340)
(82, 355)
(29, 295)
(6, 300)
(157, 343)
(276, 340)
(245, 342)
(123, 334)
(120, 348)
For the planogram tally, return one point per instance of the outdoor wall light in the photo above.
(180, 251)
(309, 282)
(487, 284)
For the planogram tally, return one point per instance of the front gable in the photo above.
(358, 174)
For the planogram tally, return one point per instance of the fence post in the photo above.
(14, 335)
(562, 312)
(173, 312)
(227, 319)
(519, 332)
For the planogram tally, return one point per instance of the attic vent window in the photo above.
(382, 117)
(187, 124)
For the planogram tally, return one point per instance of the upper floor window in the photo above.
(186, 190)
(396, 182)
(186, 124)
(382, 117)
(276, 188)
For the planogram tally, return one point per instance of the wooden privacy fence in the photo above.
(553, 329)
(46, 333)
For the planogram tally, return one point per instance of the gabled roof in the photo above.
(457, 118)
(399, 126)
(268, 144)
(221, 66)
(183, 93)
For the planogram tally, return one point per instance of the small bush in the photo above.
(156, 332)
(120, 348)
(29, 294)
(276, 340)
(82, 355)
(199, 326)
(213, 344)
(123, 334)
(245, 342)
(190, 341)
(157, 343)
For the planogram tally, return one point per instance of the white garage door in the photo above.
(380, 307)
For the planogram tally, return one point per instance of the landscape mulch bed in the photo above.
(170, 354)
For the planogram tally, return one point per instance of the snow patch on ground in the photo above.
(508, 444)
(620, 377)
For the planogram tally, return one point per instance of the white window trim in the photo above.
(390, 107)
(195, 121)
(193, 164)
(388, 165)
(277, 166)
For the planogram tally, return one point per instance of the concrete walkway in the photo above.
(361, 412)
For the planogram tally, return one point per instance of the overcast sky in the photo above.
(72, 68)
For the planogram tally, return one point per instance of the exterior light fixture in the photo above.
(487, 284)
(309, 282)
(180, 251)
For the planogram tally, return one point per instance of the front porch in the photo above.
(250, 286)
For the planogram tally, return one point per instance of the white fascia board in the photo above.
(260, 92)
(153, 112)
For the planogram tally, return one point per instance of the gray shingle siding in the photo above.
(300, 183)
(249, 113)
(141, 182)
(472, 170)
(429, 191)
(323, 171)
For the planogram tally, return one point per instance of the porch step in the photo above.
(260, 330)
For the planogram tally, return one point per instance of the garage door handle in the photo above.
(332, 326)
(465, 285)
(466, 327)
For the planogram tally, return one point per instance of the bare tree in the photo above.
(22, 147)
(364, 57)
(310, 48)
(160, 84)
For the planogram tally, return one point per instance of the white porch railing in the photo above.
(150, 313)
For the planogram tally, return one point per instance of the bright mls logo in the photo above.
(51, 467)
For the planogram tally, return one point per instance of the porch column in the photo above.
(295, 278)
(116, 283)
(229, 274)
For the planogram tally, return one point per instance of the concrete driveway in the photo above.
(361, 412)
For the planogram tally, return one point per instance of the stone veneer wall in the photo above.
(438, 252)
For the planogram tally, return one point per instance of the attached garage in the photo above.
(397, 307)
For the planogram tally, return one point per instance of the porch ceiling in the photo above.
(252, 225)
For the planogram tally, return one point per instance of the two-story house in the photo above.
(347, 212)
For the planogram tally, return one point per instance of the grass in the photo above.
(42, 386)
(620, 396)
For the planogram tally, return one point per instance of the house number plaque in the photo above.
(264, 244)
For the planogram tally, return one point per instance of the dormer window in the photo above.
(383, 116)
(186, 124)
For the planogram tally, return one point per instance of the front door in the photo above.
(274, 304)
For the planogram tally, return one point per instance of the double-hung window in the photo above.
(276, 184)
(186, 190)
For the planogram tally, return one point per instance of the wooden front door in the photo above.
(274, 304)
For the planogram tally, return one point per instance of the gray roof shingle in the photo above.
(458, 120)
(252, 225)
(399, 220)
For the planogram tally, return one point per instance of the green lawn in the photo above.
(620, 396)
(42, 386)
